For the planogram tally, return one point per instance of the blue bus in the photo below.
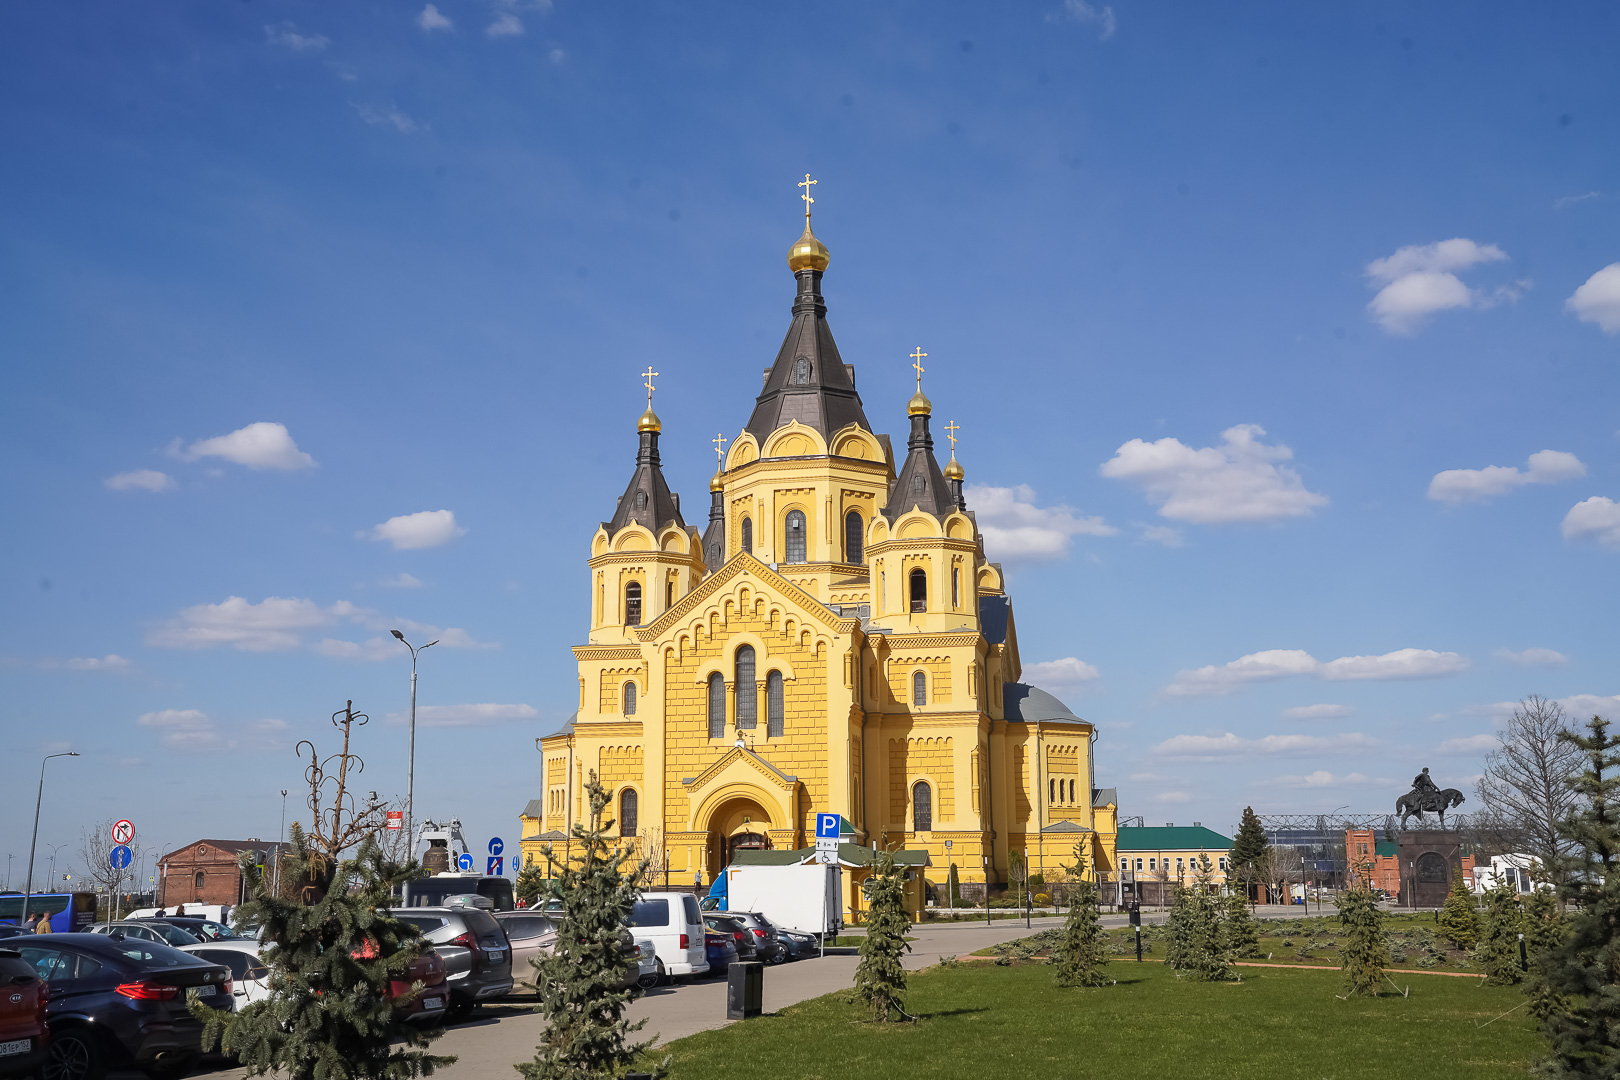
(68, 912)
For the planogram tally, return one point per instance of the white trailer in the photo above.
(807, 898)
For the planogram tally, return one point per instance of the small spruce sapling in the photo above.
(1498, 951)
(530, 883)
(1458, 922)
(1201, 947)
(1544, 931)
(1081, 955)
(1365, 952)
(880, 980)
(1242, 932)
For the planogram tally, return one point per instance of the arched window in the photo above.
(773, 705)
(956, 588)
(801, 371)
(919, 590)
(1071, 791)
(922, 807)
(629, 699)
(199, 879)
(917, 485)
(854, 535)
(748, 535)
(747, 691)
(632, 604)
(1051, 791)
(669, 594)
(717, 706)
(641, 500)
(919, 688)
(628, 805)
(795, 536)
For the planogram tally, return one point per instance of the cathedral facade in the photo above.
(833, 639)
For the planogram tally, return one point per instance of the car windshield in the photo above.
(176, 936)
(151, 954)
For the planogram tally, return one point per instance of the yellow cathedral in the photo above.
(833, 640)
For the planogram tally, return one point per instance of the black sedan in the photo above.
(118, 1001)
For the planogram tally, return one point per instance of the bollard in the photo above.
(1138, 943)
(745, 990)
(1524, 961)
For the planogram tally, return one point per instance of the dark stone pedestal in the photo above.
(1429, 858)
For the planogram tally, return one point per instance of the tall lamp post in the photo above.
(28, 890)
(410, 768)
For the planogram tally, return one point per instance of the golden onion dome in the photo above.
(954, 470)
(919, 405)
(807, 252)
(649, 421)
(716, 483)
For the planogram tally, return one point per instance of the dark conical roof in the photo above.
(647, 501)
(808, 382)
(919, 482)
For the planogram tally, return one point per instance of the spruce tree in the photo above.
(1241, 930)
(1365, 951)
(1248, 849)
(880, 980)
(1458, 922)
(1198, 946)
(1543, 932)
(1177, 928)
(1585, 967)
(531, 882)
(1498, 951)
(586, 1035)
(332, 950)
(1081, 956)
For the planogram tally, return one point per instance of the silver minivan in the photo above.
(674, 925)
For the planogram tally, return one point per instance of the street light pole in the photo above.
(28, 890)
(410, 768)
(275, 876)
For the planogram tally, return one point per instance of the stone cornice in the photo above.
(734, 567)
(607, 652)
(736, 753)
(902, 642)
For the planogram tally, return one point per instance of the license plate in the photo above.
(19, 1046)
(497, 955)
(200, 991)
(433, 1003)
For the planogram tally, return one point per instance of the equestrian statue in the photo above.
(1426, 796)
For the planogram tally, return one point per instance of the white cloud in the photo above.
(1598, 300)
(1476, 485)
(1238, 481)
(481, 715)
(1597, 518)
(278, 624)
(1317, 712)
(1585, 706)
(140, 480)
(287, 36)
(1145, 777)
(505, 25)
(1015, 528)
(1069, 671)
(1321, 778)
(557, 56)
(262, 445)
(1469, 744)
(1532, 657)
(184, 729)
(431, 19)
(1229, 745)
(1163, 534)
(429, 528)
(1171, 798)
(1572, 200)
(389, 117)
(1282, 663)
(110, 662)
(1080, 11)
(1419, 281)
(403, 581)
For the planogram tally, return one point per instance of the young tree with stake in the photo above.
(880, 980)
(1081, 957)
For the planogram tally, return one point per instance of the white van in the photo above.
(674, 925)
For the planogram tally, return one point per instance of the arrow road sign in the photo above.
(120, 857)
(465, 862)
(123, 831)
(494, 866)
(496, 846)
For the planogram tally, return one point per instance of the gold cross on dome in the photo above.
(720, 447)
(649, 375)
(916, 362)
(806, 196)
(950, 433)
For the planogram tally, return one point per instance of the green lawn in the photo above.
(983, 1020)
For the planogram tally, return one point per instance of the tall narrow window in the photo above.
(919, 688)
(748, 535)
(795, 536)
(628, 805)
(801, 371)
(669, 594)
(922, 807)
(1071, 791)
(632, 604)
(854, 534)
(956, 588)
(773, 705)
(1051, 791)
(917, 485)
(629, 699)
(1139, 864)
(747, 691)
(199, 879)
(717, 706)
(919, 590)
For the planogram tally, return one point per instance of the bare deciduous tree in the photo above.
(96, 848)
(1525, 788)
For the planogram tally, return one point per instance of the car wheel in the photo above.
(662, 977)
(75, 1054)
(647, 981)
(779, 956)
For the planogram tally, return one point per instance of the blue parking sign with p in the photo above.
(826, 826)
(494, 866)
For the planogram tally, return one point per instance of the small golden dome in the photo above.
(649, 421)
(807, 252)
(919, 405)
(716, 483)
(954, 470)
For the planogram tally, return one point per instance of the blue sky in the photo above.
(1284, 346)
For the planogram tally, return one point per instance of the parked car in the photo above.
(477, 955)
(534, 935)
(720, 949)
(24, 1033)
(13, 931)
(250, 978)
(162, 933)
(437, 890)
(741, 940)
(118, 1001)
(646, 963)
(427, 968)
(764, 933)
(799, 946)
(672, 922)
(199, 928)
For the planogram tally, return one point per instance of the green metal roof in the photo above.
(1385, 848)
(1171, 838)
(853, 854)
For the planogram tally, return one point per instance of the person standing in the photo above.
(43, 926)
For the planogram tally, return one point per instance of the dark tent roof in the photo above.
(647, 500)
(809, 381)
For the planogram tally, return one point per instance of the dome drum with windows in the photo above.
(834, 639)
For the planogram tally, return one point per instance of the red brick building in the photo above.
(1364, 853)
(206, 871)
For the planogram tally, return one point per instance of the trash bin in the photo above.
(745, 990)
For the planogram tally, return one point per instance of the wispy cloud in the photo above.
(1477, 485)
(1229, 745)
(1533, 657)
(431, 19)
(1469, 744)
(505, 25)
(1283, 663)
(141, 480)
(262, 445)
(1014, 527)
(1241, 480)
(287, 36)
(110, 662)
(193, 729)
(1321, 778)
(1317, 712)
(428, 528)
(1573, 200)
(1069, 671)
(1080, 11)
(1598, 300)
(481, 715)
(1421, 280)
(403, 581)
(385, 117)
(281, 624)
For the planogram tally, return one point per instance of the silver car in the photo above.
(162, 933)
(533, 935)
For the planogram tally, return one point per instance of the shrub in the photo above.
(1042, 900)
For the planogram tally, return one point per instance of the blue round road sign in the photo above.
(496, 846)
(120, 857)
(465, 862)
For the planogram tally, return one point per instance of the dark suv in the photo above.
(477, 956)
(766, 940)
(121, 1001)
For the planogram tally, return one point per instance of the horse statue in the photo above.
(1420, 802)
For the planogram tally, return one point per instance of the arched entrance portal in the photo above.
(738, 824)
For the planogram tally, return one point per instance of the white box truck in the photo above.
(806, 898)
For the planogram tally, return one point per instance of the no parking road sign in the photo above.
(120, 857)
(123, 831)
